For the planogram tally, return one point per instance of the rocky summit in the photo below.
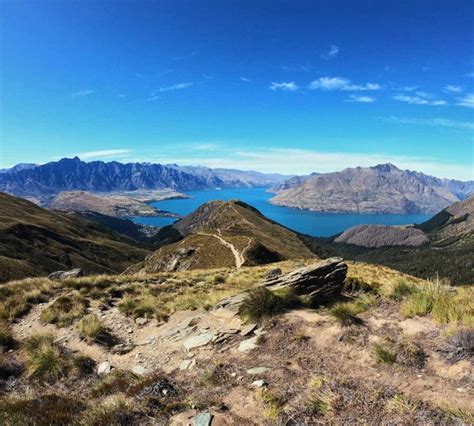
(380, 189)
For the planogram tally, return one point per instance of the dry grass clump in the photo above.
(65, 309)
(113, 410)
(384, 355)
(273, 404)
(262, 303)
(115, 382)
(399, 290)
(44, 359)
(400, 404)
(90, 328)
(461, 345)
(446, 304)
(147, 306)
(6, 336)
(322, 399)
(48, 409)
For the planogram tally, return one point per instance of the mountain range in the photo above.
(380, 189)
(72, 174)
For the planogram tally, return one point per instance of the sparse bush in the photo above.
(90, 328)
(44, 359)
(410, 354)
(461, 345)
(219, 279)
(65, 309)
(384, 356)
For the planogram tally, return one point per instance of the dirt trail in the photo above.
(239, 256)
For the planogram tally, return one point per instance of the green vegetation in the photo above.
(90, 328)
(117, 381)
(65, 309)
(6, 336)
(384, 355)
(44, 359)
(273, 404)
(262, 303)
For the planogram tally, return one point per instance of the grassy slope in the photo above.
(35, 241)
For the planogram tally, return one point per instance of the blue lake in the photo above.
(306, 222)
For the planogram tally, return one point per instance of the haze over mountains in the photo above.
(380, 189)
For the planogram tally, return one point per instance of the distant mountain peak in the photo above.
(385, 167)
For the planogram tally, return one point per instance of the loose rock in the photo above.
(104, 368)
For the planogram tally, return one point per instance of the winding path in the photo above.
(239, 256)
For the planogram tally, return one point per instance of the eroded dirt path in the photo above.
(239, 256)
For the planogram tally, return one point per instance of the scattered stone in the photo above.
(222, 337)
(121, 348)
(258, 370)
(140, 370)
(248, 345)
(62, 275)
(260, 332)
(104, 368)
(197, 341)
(246, 330)
(272, 273)
(141, 321)
(259, 383)
(185, 364)
(203, 419)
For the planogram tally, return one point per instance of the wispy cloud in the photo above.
(338, 83)
(418, 100)
(467, 101)
(152, 98)
(178, 86)
(469, 75)
(274, 160)
(106, 153)
(451, 88)
(406, 88)
(434, 122)
(284, 86)
(208, 77)
(331, 53)
(361, 99)
(245, 79)
(80, 93)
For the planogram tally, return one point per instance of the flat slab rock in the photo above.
(198, 341)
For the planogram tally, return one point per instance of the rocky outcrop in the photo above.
(321, 281)
(380, 189)
(382, 235)
(62, 275)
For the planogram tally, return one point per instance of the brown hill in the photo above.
(35, 241)
(222, 234)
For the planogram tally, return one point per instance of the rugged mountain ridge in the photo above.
(222, 234)
(35, 241)
(72, 174)
(380, 189)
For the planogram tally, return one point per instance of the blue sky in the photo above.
(277, 86)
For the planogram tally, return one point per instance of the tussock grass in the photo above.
(345, 314)
(400, 290)
(384, 355)
(44, 359)
(321, 398)
(90, 328)
(113, 410)
(6, 336)
(273, 404)
(400, 404)
(65, 309)
(117, 381)
(446, 304)
(262, 303)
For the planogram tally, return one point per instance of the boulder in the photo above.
(272, 273)
(197, 341)
(321, 281)
(62, 275)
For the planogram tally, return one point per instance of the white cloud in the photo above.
(417, 100)
(106, 153)
(469, 74)
(338, 83)
(285, 86)
(245, 79)
(178, 86)
(406, 89)
(152, 98)
(85, 92)
(424, 95)
(467, 101)
(301, 161)
(361, 99)
(451, 88)
(332, 52)
(435, 122)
